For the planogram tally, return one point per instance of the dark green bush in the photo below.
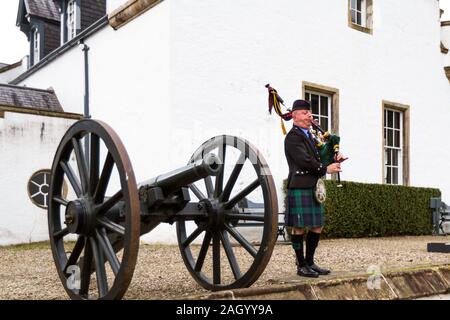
(375, 210)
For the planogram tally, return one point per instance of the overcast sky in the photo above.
(14, 45)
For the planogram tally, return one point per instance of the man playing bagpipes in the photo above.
(304, 201)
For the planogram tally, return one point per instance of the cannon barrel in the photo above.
(174, 180)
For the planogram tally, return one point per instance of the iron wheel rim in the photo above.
(87, 243)
(268, 240)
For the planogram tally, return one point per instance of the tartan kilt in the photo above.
(302, 209)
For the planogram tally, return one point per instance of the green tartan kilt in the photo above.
(302, 209)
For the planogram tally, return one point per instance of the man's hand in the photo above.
(339, 157)
(334, 168)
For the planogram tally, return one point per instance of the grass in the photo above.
(28, 246)
(68, 245)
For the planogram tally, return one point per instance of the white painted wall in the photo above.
(111, 5)
(130, 90)
(188, 70)
(226, 51)
(27, 144)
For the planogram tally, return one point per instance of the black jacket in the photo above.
(303, 159)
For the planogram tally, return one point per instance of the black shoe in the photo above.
(319, 270)
(307, 272)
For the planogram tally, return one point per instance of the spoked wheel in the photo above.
(230, 245)
(100, 213)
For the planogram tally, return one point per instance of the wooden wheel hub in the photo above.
(79, 217)
(215, 213)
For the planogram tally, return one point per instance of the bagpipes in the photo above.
(326, 142)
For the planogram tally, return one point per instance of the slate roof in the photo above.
(48, 9)
(25, 97)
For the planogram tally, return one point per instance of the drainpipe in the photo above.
(86, 114)
(85, 49)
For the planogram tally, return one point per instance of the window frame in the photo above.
(393, 147)
(334, 102)
(361, 12)
(71, 25)
(404, 156)
(36, 46)
(366, 25)
(320, 116)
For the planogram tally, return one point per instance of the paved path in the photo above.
(438, 297)
(28, 272)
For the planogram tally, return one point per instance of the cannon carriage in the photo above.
(95, 229)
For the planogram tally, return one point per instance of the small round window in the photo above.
(38, 188)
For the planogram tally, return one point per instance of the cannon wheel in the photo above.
(85, 217)
(217, 228)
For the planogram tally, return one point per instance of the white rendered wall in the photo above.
(129, 89)
(188, 70)
(223, 53)
(27, 144)
(66, 76)
(111, 5)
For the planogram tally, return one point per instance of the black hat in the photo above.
(301, 105)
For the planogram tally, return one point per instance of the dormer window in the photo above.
(71, 20)
(41, 25)
(36, 46)
(78, 15)
(56, 21)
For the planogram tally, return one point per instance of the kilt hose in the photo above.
(302, 209)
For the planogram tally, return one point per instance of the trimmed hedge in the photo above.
(375, 210)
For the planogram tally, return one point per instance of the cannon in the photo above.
(94, 229)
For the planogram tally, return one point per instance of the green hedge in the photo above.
(373, 210)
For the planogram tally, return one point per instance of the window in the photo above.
(36, 46)
(393, 146)
(38, 187)
(321, 108)
(71, 20)
(357, 12)
(324, 106)
(360, 15)
(395, 143)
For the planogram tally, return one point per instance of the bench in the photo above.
(441, 215)
(249, 206)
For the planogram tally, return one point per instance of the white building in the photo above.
(32, 122)
(168, 75)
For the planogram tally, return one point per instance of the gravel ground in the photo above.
(28, 272)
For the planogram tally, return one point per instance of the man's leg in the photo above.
(297, 245)
(312, 241)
